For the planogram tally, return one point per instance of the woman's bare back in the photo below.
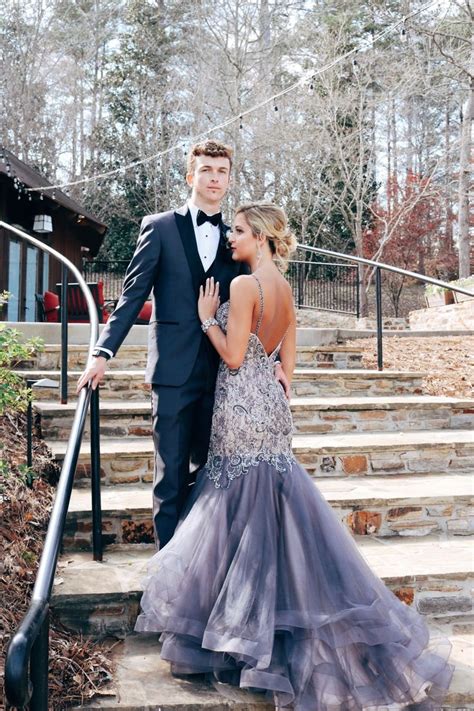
(278, 309)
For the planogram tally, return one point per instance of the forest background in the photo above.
(371, 156)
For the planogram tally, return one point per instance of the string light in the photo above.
(194, 139)
(403, 32)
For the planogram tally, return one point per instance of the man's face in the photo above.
(210, 179)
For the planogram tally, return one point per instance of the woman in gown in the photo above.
(261, 585)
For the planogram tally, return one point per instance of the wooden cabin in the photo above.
(24, 269)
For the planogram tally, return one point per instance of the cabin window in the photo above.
(14, 281)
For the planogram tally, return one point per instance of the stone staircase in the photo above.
(395, 464)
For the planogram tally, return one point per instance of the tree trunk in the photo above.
(464, 180)
(448, 210)
(363, 304)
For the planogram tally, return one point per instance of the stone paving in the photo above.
(143, 682)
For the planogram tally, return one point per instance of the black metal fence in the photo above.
(325, 286)
(321, 285)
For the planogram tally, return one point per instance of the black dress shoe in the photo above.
(198, 676)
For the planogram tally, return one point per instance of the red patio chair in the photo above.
(77, 305)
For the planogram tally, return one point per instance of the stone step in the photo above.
(433, 574)
(130, 460)
(142, 680)
(134, 357)
(379, 506)
(79, 334)
(311, 415)
(316, 382)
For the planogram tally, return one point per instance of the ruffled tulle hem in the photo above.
(263, 587)
(413, 675)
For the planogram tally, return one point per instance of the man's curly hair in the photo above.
(214, 149)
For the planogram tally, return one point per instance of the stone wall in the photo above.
(453, 317)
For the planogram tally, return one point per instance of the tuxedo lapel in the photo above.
(223, 251)
(188, 238)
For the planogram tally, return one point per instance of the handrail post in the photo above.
(357, 288)
(39, 668)
(95, 476)
(378, 301)
(300, 278)
(64, 334)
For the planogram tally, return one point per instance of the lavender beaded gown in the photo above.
(262, 584)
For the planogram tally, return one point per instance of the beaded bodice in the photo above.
(252, 419)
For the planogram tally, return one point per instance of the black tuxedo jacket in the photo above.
(166, 260)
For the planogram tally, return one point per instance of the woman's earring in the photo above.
(259, 253)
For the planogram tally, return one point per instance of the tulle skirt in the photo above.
(264, 587)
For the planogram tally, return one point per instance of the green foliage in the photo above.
(14, 395)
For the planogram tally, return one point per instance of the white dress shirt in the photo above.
(207, 238)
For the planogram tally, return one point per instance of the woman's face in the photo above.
(242, 241)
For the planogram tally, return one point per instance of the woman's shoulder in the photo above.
(244, 283)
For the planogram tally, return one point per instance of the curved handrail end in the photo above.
(18, 687)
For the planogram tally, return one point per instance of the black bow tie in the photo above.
(213, 219)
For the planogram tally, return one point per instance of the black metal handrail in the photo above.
(378, 285)
(26, 666)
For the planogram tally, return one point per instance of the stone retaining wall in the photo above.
(453, 317)
(382, 521)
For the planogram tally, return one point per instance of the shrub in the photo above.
(14, 394)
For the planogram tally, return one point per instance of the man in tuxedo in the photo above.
(176, 252)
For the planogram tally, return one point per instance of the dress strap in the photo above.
(260, 291)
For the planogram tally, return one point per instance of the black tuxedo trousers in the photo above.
(182, 418)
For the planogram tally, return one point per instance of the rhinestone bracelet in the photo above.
(205, 325)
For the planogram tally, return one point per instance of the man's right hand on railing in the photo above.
(94, 372)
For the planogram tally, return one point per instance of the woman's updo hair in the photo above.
(265, 218)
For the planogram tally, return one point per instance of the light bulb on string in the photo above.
(403, 32)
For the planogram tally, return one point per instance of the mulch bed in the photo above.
(448, 361)
(78, 667)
